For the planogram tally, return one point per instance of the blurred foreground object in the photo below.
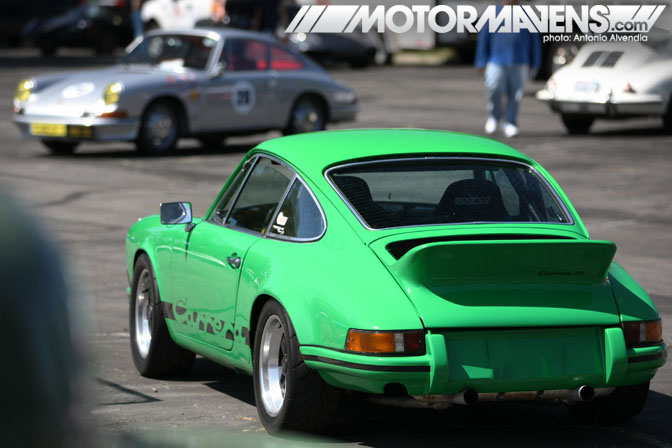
(38, 358)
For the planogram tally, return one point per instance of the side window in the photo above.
(226, 202)
(260, 196)
(245, 55)
(282, 59)
(299, 215)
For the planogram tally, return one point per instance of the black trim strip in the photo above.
(371, 367)
(645, 358)
(517, 328)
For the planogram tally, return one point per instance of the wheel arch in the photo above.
(255, 311)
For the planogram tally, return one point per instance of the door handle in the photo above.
(233, 261)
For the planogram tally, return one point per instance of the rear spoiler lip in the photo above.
(598, 273)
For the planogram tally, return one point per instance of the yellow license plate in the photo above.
(80, 131)
(48, 129)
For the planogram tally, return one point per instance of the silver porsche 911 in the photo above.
(201, 83)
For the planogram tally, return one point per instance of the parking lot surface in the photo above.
(618, 178)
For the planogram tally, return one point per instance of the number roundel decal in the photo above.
(243, 97)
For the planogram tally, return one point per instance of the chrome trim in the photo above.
(554, 194)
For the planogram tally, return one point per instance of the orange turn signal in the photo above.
(643, 333)
(115, 114)
(385, 342)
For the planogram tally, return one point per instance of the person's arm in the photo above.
(482, 48)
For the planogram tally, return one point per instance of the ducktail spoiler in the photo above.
(459, 263)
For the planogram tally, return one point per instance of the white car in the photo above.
(610, 80)
(171, 14)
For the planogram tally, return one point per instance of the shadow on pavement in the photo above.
(131, 153)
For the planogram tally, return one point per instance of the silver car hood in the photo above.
(75, 94)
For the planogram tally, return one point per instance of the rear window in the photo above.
(446, 191)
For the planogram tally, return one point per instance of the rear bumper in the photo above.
(343, 112)
(81, 129)
(626, 105)
(496, 361)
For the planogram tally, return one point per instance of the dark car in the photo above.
(15, 14)
(357, 48)
(99, 24)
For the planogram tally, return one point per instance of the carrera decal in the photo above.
(243, 97)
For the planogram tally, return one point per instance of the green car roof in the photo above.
(318, 150)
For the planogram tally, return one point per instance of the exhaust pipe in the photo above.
(581, 393)
(465, 397)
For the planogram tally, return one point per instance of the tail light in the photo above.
(643, 332)
(386, 342)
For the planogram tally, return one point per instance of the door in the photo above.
(207, 276)
(242, 97)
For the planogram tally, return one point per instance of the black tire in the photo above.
(309, 404)
(162, 357)
(667, 119)
(48, 49)
(622, 404)
(159, 129)
(214, 141)
(577, 124)
(60, 148)
(106, 44)
(308, 115)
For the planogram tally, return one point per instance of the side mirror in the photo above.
(218, 70)
(176, 213)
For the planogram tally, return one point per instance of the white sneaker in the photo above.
(490, 126)
(510, 130)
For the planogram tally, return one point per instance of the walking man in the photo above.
(508, 59)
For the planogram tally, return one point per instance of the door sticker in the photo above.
(243, 97)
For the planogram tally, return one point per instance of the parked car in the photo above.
(102, 25)
(16, 14)
(609, 80)
(201, 83)
(174, 14)
(434, 267)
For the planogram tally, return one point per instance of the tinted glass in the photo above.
(226, 202)
(173, 51)
(245, 55)
(260, 196)
(284, 60)
(299, 215)
(409, 193)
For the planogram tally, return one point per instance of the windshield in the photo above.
(173, 52)
(446, 191)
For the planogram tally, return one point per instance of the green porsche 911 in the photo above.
(438, 267)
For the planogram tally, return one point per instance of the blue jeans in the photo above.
(136, 21)
(500, 79)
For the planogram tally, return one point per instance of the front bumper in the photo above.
(80, 129)
(492, 361)
(626, 105)
(343, 112)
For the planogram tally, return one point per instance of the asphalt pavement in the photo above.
(618, 177)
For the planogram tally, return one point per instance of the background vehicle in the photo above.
(16, 14)
(102, 25)
(435, 267)
(612, 81)
(172, 14)
(201, 83)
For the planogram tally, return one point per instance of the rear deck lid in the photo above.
(506, 282)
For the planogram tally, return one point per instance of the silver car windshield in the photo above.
(173, 52)
(401, 193)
